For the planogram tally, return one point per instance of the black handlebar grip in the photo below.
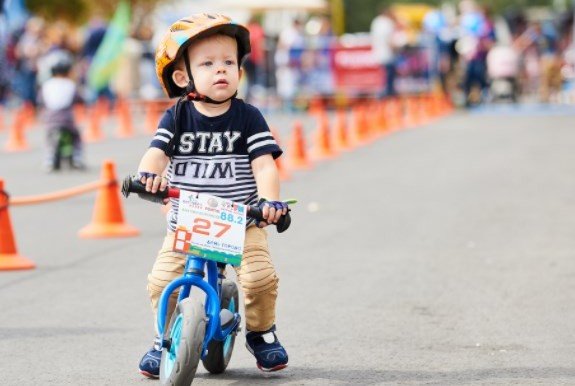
(131, 184)
(282, 224)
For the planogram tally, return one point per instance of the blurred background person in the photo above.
(58, 94)
(291, 43)
(254, 65)
(382, 31)
(440, 35)
(27, 51)
(477, 37)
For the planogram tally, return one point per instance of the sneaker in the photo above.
(265, 346)
(150, 363)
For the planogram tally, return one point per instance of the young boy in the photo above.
(213, 143)
(58, 95)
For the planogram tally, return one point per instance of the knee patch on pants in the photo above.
(256, 274)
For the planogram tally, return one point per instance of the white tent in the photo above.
(269, 5)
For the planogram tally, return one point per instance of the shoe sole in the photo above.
(149, 375)
(275, 368)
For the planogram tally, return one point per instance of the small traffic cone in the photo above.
(340, 135)
(372, 121)
(409, 114)
(80, 113)
(316, 106)
(359, 132)
(94, 133)
(108, 217)
(396, 114)
(125, 128)
(152, 116)
(282, 169)
(29, 114)
(103, 106)
(17, 139)
(2, 118)
(322, 145)
(298, 152)
(9, 257)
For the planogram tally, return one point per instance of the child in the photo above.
(58, 95)
(213, 143)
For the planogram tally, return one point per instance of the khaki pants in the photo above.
(256, 276)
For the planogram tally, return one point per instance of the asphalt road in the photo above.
(439, 255)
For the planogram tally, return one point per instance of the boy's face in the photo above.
(214, 66)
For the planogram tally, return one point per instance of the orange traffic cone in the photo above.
(29, 114)
(103, 106)
(80, 113)
(381, 112)
(94, 133)
(125, 129)
(152, 116)
(340, 136)
(282, 170)
(1, 118)
(372, 121)
(408, 113)
(17, 139)
(322, 146)
(9, 257)
(298, 152)
(359, 132)
(108, 217)
(316, 106)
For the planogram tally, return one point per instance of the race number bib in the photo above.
(210, 227)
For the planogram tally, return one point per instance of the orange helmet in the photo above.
(183, 32)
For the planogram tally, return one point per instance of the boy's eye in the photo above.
(230, 62)
(207, 63)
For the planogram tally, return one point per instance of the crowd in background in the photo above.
(459, 49)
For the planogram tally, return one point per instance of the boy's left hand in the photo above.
(272, 211)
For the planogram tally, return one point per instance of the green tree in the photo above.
(77, 12)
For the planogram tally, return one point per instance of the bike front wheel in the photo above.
(186, 333)
(220, 352)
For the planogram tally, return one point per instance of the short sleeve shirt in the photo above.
(213, 154)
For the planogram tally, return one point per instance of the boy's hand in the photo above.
(272, 211)
(154, 182)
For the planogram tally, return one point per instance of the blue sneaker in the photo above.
(150, 363)
(265, 346)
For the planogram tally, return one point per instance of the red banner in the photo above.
(355, 70)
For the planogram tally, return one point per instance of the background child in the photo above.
(58, 95)
(211, 142)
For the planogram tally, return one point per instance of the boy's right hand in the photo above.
(153, 182)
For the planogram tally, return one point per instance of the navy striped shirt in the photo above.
(213, 154)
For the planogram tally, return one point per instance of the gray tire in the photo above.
(220, 352)
(186, 330)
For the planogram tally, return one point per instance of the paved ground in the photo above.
(438, 255)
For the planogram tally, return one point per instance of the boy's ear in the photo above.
(180, 78)
(241, 73)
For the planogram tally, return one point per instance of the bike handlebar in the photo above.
(132, 184)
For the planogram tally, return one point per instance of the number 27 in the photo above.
(203, 227)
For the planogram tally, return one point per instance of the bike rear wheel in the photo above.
(220, 352)
(186, 332)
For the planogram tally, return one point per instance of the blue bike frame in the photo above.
(193, 277)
